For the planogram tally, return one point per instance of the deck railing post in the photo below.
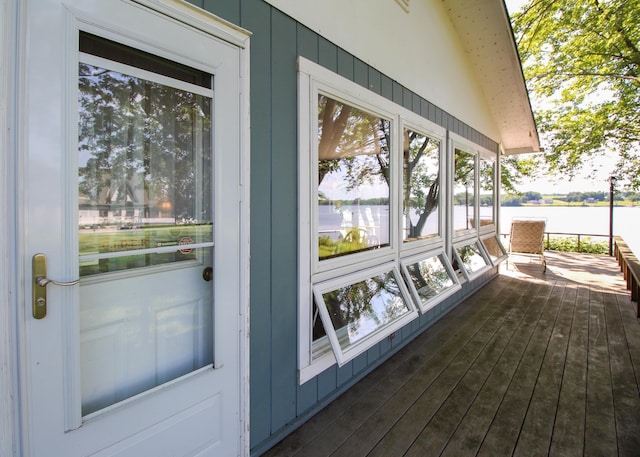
(612, 182)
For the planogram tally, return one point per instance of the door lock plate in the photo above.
(39, 292)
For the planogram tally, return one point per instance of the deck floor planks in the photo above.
(386, 416)
(339, 423)
(568, 431)
(502, 436)
(600, 432)
(458, 408)
(537, 428)
(471, 431)
(531, 364)
(445, 422)
(624, 384)
(404, 432)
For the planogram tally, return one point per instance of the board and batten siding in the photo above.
(278, 404)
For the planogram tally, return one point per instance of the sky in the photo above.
(602, 168)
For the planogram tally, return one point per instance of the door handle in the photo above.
(39, 287)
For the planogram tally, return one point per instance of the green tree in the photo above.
(581, 59)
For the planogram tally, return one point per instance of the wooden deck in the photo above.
(530, 365)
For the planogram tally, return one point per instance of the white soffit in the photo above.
(485, 31)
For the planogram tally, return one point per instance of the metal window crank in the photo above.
(39, 287)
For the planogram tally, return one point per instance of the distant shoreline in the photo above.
(626, 204)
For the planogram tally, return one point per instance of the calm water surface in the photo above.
(581, 219)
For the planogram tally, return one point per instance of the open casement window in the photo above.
(362, 308)
(430, 278)
(494, 248)
(470, 259)
(423, 147)
(487, 174)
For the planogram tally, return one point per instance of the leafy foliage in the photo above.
(582, 61)
(570, 244)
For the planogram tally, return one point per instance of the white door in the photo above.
(132, 231)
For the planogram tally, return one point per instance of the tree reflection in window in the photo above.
(463, 190)
(144, 168)
(421, 186)
(353, 179)
(362, 308)
(487, 193)
(429, 278)
(471, 258)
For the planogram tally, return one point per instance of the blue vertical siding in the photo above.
(278, 403)
(255, 16)
(284, 217)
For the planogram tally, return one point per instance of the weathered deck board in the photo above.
(531, 364)
(568, 432)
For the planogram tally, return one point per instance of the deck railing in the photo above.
(630, 267)
(579, 236)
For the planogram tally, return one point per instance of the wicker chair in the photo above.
(527, 237)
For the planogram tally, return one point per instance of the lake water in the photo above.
(581, 219)
(592, 220)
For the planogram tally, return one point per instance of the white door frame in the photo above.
(13, 308)
(9, 406)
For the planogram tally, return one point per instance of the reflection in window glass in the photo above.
(362, 308)
(463, 190)
(494, 248)
(429, 277)
(144, 171)
(487, 191)
(421, 186)
(353, 179)
(471, 258)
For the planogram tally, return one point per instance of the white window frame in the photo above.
(471, 275)
(314, 273)
(345, 355)
(420, 125)
(314, 79)
(486, 155)
(458, 142)
(433, 301)
(502, 257)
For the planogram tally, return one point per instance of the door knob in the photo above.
(207, 274)
(39, 288)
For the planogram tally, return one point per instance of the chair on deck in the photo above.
(527, 237)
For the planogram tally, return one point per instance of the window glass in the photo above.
(470, 258)
(363, 308)
(421, 186)
(429, 278)
(494, 249)
(463, 190)
(487, 191)
(144, 171)
(353, 179)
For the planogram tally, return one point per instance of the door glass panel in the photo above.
(144, 202)
(144, 161)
